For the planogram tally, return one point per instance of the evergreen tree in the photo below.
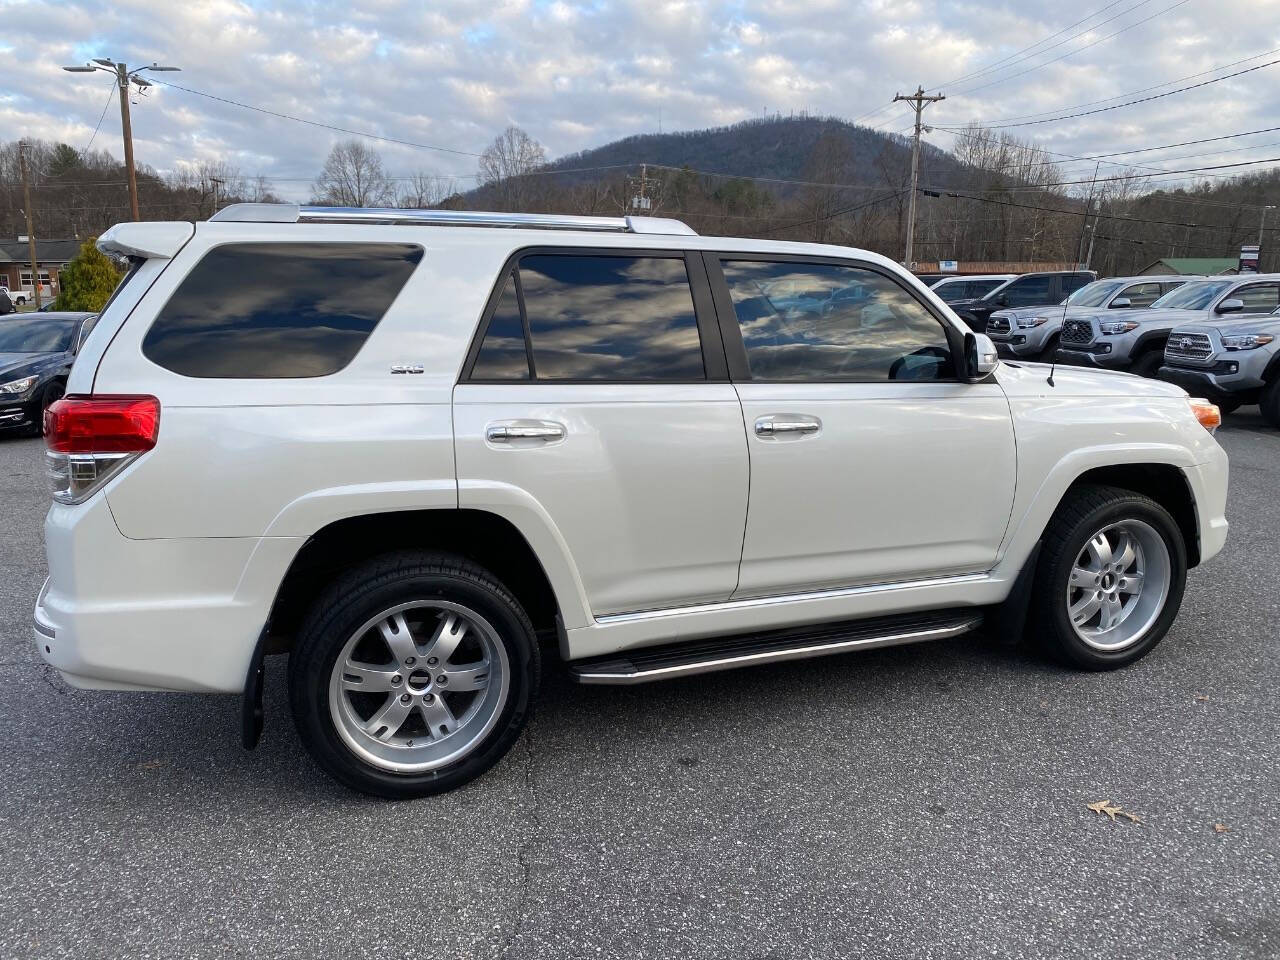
(88, 280)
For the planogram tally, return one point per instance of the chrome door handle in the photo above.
(506, 432)
(786, 423)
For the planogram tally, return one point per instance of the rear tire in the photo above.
(1269, 403)
(376, 694)
(1100, 604)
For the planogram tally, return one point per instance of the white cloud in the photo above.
(577, 73)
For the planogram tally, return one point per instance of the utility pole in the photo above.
(640, 202)
(1262, 228)
(217, 182)
(1088, 207)
(31, 230)
(919, 101)
(123, 78)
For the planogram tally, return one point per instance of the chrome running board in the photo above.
(728, 653)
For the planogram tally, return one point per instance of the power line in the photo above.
(316, 123)
(1130, 103)
(1012, 58)
(1156, 86)
(111, 94)
(1072, 53)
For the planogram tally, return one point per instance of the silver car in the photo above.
(1032, 332)
(1135, 340)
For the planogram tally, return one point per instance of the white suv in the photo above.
(597, 433)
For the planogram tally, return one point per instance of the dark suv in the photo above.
(1028, 290)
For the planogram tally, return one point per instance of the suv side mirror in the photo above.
(1120, 303)
(1232, 305)
(980, 357)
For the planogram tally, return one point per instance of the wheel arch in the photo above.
(486, 538)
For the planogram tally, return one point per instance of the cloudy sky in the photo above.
(452, 74)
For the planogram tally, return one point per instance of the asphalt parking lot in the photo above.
(924, 801)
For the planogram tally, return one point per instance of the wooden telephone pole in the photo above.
(919, 100)
(31, 229)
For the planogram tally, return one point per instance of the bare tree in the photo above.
(353, 176)
(423, 190)
(506, 164)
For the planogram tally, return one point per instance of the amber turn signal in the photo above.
(1207, 413)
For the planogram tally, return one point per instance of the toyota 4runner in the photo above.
(597, 434)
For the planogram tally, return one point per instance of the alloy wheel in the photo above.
(1118, 585)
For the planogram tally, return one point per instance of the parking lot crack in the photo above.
(533, 827)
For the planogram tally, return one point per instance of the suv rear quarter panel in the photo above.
(282, 457)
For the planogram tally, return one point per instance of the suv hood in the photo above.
(1164, 316)
(1021, 379)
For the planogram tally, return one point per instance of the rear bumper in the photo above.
(178, 614)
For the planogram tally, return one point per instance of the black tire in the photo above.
(1228, 406)
(364, 592)
(52, 393)
(1148, 364)
(1269, 403)
(1050, 351)
(1084, 511)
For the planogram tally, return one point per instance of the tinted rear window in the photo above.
(278, 310)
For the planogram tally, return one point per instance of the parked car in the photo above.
(975, 287)
(1136, 340)
(1028, 290)
(20, 296)
(1234, 361)
(537, 432)
(36, 352)
(1032, 332)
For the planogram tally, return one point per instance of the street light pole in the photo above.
(124, 77)
(126, 126)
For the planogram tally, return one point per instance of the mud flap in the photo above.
(251, 699)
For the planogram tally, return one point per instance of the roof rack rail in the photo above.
(293, 213)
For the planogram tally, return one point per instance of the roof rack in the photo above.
(293, 213)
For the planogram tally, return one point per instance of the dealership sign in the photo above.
(1249, 254)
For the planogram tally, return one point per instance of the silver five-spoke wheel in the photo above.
(1118, 585)
(419, 685)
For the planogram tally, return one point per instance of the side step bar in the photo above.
(727, 653)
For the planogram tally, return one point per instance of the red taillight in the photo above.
(102, 424)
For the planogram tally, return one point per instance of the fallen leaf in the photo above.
(1201, 698)
(1221, 828)
(1112, 811)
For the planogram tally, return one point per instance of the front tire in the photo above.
(1269, 403)
(1110, 579)
(52, 393)
(1148, 364)
(412, 675)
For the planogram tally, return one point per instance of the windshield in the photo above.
(36, 336)
(1196, 295)
(1094, 294)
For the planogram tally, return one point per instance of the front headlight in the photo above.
(18, 386)
(1026, 323)
(1114, 327)
(1247, 341)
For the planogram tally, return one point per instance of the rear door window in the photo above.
(278, 310)
(594, 317)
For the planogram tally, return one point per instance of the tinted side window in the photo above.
(502, 354)
(980, 288)
(1259, 297)
(283, 310)
(1029, 291)
(859, 325)
(1074, 281)
(1142, 294)
(610, 318)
